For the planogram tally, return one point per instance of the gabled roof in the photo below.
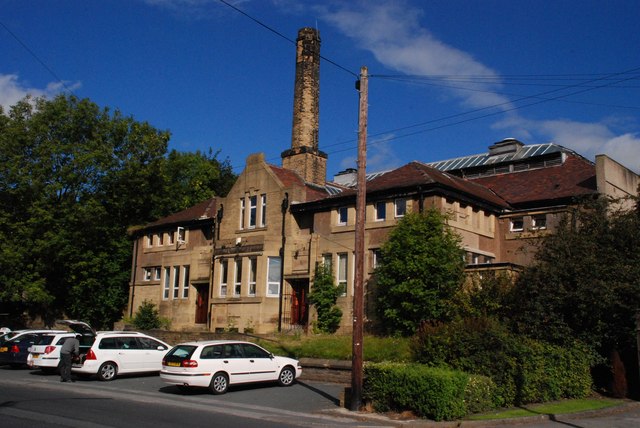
(575, 177)
(416, 174)
(202, 211)
(290, 178)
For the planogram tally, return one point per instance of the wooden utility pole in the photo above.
(358, 286)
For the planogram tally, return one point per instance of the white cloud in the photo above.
(392, 32)
(587, 139)
(12, 90)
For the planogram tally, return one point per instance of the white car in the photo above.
(113, 353)
(217, 364)
(44, 354)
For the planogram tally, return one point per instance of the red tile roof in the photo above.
(416, 173)
(203, 210)
(575, 177)
(290, 178)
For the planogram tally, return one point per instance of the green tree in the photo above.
(323, 296)
(420, 271)
(147, 317)
(585, 281)
(73, 178)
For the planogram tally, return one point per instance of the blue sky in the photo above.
(448, 77)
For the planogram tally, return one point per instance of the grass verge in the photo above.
(553, 408)
(376, 349)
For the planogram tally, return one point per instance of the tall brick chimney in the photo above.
(304, 157)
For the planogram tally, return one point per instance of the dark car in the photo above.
(14, 351)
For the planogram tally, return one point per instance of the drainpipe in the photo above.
(215, 234)
(284, 207)
(133, 279)
(420, 200)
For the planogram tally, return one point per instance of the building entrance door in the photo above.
(202, 303)
(298, 305)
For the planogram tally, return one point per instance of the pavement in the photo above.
(623, 415)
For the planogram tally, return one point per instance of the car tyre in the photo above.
(219, 383)
(287, 376)
(107, 371)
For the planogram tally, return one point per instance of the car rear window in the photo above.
(45, 340)
(181, 352)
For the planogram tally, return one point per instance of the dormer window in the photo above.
(516, 224)
(539, 222)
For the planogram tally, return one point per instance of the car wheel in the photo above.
(107, 371)
(287, 376)
(219, 383)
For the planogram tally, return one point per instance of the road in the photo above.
(31, 398)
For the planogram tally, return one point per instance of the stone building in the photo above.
(246, 261)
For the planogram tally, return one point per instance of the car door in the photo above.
(260, 363)
(151, 354)
(130, 355)
(234, 363)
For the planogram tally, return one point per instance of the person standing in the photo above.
(70, 348)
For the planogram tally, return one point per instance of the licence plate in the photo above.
(4, 349)
(35, 355)
(172, 364)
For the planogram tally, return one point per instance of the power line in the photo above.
(279, 34)
(42, 63)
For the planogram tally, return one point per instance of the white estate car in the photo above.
(217, 364)
(44, 354)
(113, 353)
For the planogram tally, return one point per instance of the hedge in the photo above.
(434, 393)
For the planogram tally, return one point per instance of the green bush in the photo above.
(524, 370)
(147, 317)
(434, 393)
(324, 295)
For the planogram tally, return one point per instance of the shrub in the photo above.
(434, 393)
(524, 370)
(323, 296)
(147, 317)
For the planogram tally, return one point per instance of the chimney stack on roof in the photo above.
(304, 157)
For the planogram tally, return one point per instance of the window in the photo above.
(176, 281)
(539, 221)
(185, 282)
(167, 283)
(327, 260)
(237, 283)
(253, 201)
(149, 240)
(342, 273)
(224, 271)
(253, 268)
(263, 210)
(160, 236)
(147, 273)
(400, 207)
(376, 253)
(517, 224)
(342, 215)
(242, 211)
(171, 238)
(182, 235)
(156, 273)
(273, 276)
(381, 210)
